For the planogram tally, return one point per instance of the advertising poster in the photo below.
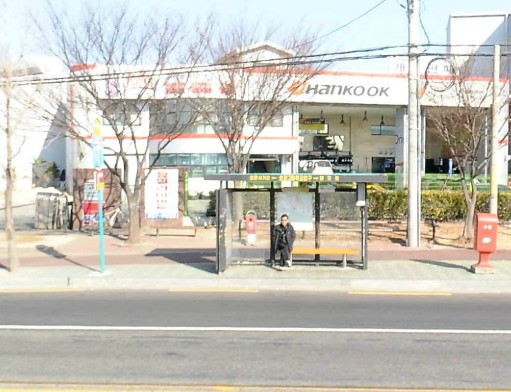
(298, 205)
(162, 194)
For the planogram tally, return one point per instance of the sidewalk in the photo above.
(64, 261)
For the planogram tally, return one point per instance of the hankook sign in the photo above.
(350, 89)
(326, 88)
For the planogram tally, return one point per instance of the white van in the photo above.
(317, 166)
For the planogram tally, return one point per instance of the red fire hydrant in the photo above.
(251, 226)
(485, 241)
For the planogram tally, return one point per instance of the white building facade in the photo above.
(476, 34)
(366, 111)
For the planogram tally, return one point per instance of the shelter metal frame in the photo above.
(228, 181)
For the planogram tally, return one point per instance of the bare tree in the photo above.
(6, 163)
(463, 125)
(120, 64)
(257, 80)
(8, 128)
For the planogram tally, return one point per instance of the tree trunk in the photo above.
(9, 227)
(468, 229)
(135, 230)
(9, 171)
(10, 230)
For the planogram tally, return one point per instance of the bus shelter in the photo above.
(328, 212)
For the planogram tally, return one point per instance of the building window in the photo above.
(197, 159)
(121, 113)
(169, 116)
(211, 170)
(253, 118)
(277, 119)
(197, 165)
(202, 126)
(211, 159)
(257, 115)
(183, 159)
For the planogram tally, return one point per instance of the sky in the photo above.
(384, 25)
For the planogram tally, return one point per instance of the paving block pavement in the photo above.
(70, 261)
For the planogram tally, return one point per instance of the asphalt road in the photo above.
(256, 338)
(256, 309)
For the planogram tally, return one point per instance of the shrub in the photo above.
(391, 205)
(442, 206)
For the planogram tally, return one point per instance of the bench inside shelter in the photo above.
(344, 252)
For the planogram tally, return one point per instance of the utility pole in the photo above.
(414, 207)
(494, 145)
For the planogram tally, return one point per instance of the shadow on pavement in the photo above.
(450, 246)
(51, 251)
(18, 206)
(203, 259)
(442, 264)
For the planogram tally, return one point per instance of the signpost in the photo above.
(99, 181)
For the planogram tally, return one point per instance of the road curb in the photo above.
(248, 284)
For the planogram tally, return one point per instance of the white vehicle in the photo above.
(317, 166)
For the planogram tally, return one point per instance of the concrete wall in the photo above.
(483, 31)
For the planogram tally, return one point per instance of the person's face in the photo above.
(283, 220)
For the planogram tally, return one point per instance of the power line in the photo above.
(343, 26)
(294, 60)
(353, 55)
(422, 24)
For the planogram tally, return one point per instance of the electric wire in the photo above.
(239, 65)
(343, 26)
(422, 5)
(325, 58)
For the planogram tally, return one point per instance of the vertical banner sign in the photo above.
(97, 154)
(162, 194)
(89, 203)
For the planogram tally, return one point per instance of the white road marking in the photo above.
(253, 329)
(224, 388)
(402, 293)
(217, 290)
(34, 291)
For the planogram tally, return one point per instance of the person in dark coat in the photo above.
(283, 239)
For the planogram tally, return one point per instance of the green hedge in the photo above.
(440, 205)
(387, 205)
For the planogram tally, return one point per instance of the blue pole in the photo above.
(101, 233)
